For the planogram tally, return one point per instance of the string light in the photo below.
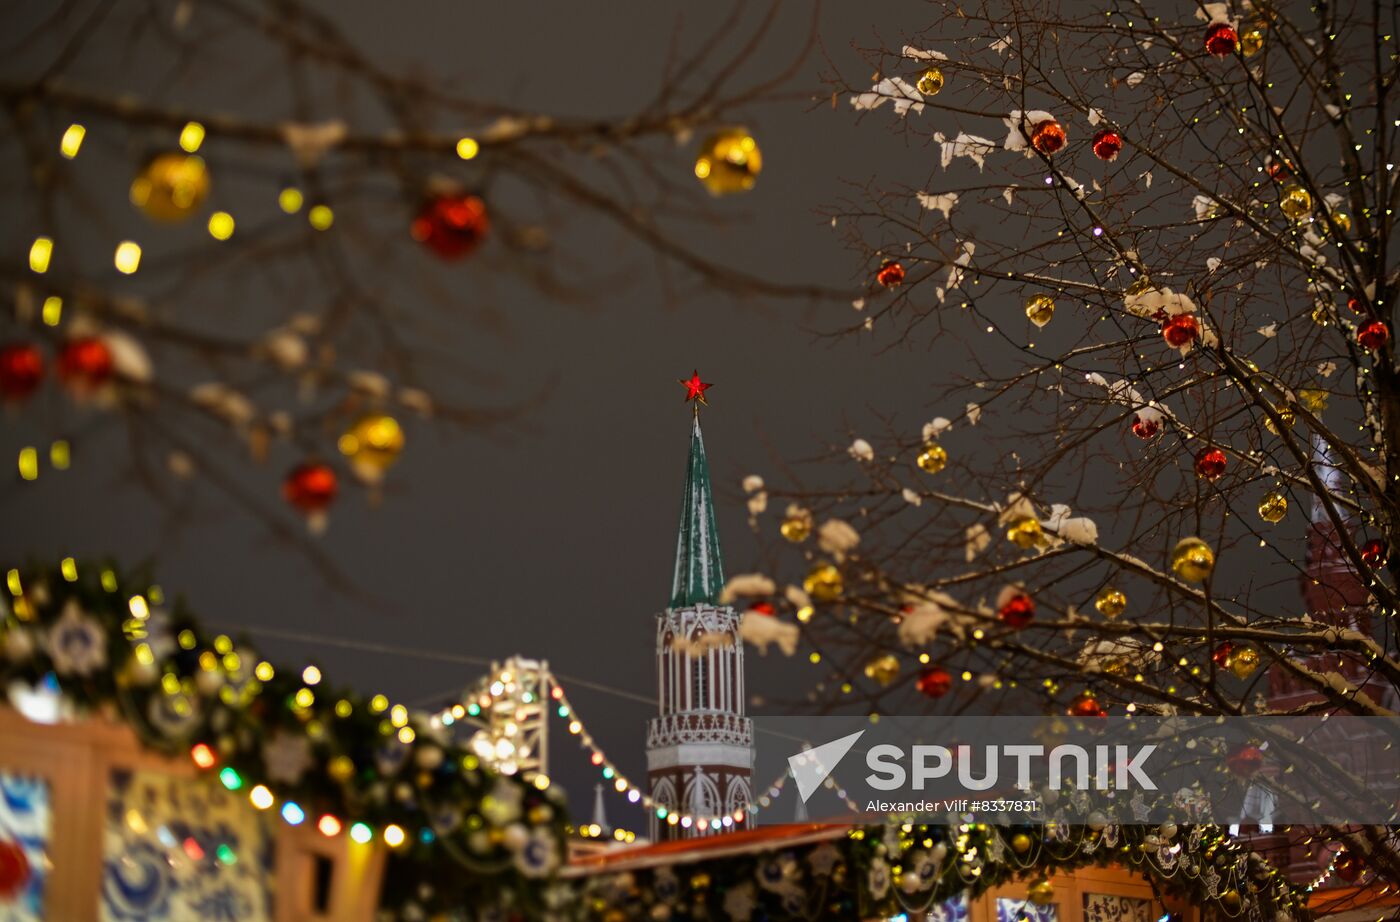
(500, 686)
(72, 140)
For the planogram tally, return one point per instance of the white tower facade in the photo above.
(700, 744)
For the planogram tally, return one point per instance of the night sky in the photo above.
(553, 537)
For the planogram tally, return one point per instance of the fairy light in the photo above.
(468, 148)
(52, 312)
(127, 258)
(40, 254)
(261, 797)
(500, 687)
(72, 140)
(191, 137)
(221, 225)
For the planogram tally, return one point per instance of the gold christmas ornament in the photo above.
(729, 162)
(1285, 414)
(1343, 222)
(1039, 309)
(933, 458)
(1025, 532)
(930, 82)
(1041, 892)
(1111, 602)
(1193, 560)
(882, 670)
(1251, 41)
(1243, 662)
(1314, 399)
(797, 525)
(171, 187)
(1021, 843)
(824, 583)
(1273, 507)
(1320, 315)
(373, 444)
(1296, 202)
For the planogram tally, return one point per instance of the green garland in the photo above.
(883, 871)
(457, 834)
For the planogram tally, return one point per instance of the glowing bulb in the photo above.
(221, 225)
(467, 148)
(292, 813)
(393, 835)
(72, 140)
(202, 755)
(311, 675)
(360, 833)
(191, 136)
(40, 253)
(329, 826)
(127, 259)
(260, 797)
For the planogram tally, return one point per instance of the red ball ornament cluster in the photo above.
(891, 274)
(85, 363)
(1245, 761)
(21, 370)
(934, 682)
(311, 487)
(1348, 866)
(1221, 39)
(1145, 428)
(1373, 334)
(1108, 144)
(1018, 611)
(452, 226)
(1221, 654)
(1181, 330)
(1210, 463)
(1086, 704)
(1047, 136)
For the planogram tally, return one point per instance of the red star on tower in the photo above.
(695, 388)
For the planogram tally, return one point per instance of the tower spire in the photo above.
(699, 574)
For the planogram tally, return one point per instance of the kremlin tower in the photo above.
(700, 744)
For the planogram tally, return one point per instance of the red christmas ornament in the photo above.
(1221, 39)
(1086, 705)
(1347, 866)
(891, 274)
(1210, 463)
(1018, 611)
(1374, 552)
(1145, 428)
(1180, 330)
(1372, 334)
(1245, 761)
(935, 682)
(764, 608)
(1278, 170)
(1221, 655)
(452, 226)
(85, 362)
(21, 369)
(1354, 305)
(311, 487)
(14, 870)
(1048, 136)
(1108, 144)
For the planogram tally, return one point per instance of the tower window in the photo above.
(700, 682)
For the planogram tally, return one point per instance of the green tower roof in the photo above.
(699, 574)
